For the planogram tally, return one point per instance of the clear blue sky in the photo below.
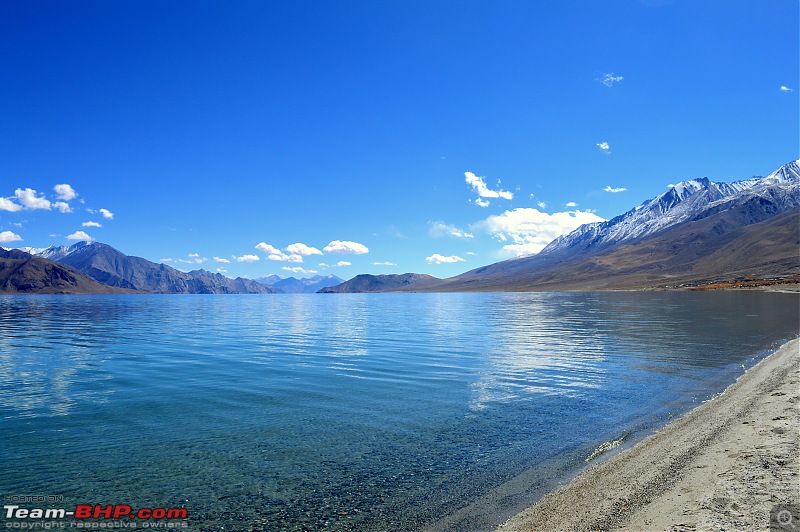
(208, 128)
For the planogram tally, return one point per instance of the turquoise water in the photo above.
(352, 412)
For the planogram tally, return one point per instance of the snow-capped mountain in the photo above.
(111, 267)
(55, 253)
(687, 201)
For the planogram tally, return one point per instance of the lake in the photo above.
(353, 411)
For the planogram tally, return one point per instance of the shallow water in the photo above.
(359, 411)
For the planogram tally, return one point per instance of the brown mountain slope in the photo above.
(21, 273)
(708, 249)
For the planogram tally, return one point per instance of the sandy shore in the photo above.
(723, 466)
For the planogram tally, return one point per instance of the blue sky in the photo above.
(436, 136)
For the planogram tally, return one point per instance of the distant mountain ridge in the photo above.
(111, 267)
(695, 230)
(687, 201)
(311, 285)
(382, 283)
(23, 273)
(675, 237)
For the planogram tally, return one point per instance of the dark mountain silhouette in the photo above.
(109, 266)
(382, 283)
(23, 273)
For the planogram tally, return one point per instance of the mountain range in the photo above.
(696, 232)
(291, 285)
(23, 273)
(383, 283)
(112, 268)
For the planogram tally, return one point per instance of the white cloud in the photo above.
(62, 206)
(529, 230)
(346, 247)
(301, 249)
(440, 259)
(298, 269)
(29, 199)
(604, 147)
(440, 229)
(609, 79)
(91, 224)
(222, 270)
(274, 253)
(614, 190)
(344, 263)
(384, 264)
(193, 255)
(8, 236)
(65, 192)
(571, 204)
(79, 235)
(247, 258)
(8, 205)
(479, 186)
(196, 258)
(167, 259)
(482, 203)
(784, 88)
(220, 259)
(542, 204)
(294, 257)
(108, 215)
(266, 248)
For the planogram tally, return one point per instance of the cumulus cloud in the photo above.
(479, 186)
(346, 247)
(784, 88)
(614, 190)
(65, 192)
(609, 79)
(80, 235)
(571, 204)
(298, 269)
(30, 200)
(384, 264)
(267, 248)
(344, 263)
(440, 229)
(8, 236)
(247, 258)
(220, 259)
(108, 215)
(529, 230)
(302, 249)
(274, 253)
(8, 205)
(62, 206)
(440, 259)
(482, 203)
(222, 270)
(91, 224)
(542, 205)
(604, 147)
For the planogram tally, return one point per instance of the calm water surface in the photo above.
(367, 412)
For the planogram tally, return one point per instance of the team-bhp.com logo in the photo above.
(95, 516)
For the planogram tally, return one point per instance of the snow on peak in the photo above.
(685, 188)
(680, 203)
